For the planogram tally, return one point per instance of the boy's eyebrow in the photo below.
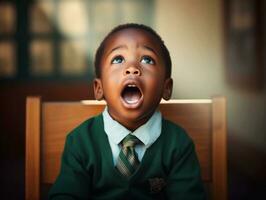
(149, 48)
(118, 47)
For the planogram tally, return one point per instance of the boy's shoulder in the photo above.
(87, 126)
(174, 132)
(172, 127)
(84, 140)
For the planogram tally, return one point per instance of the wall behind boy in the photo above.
(194, 32)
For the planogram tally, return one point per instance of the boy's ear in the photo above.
(98, 89)
(168, 87)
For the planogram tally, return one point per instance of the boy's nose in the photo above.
(132, 70)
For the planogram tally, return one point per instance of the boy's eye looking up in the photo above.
(144, 60)
(147, 60)
(117, 60)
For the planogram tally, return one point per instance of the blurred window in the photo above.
(57, 39)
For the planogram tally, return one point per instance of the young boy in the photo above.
(130, 151)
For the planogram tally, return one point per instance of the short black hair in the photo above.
(100, 50)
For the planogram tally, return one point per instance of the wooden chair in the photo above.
(47, 124)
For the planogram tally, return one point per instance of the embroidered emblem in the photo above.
(156, 185)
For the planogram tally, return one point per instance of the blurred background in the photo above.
(217, 48)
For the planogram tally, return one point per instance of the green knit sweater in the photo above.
(168, 170)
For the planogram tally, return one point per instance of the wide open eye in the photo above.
(147, 60)
(117, 60)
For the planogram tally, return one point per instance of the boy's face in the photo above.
(133, 77)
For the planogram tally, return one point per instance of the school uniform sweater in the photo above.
(169, 168)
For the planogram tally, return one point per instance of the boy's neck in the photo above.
(133, 125)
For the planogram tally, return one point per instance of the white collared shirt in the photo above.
(147, 133)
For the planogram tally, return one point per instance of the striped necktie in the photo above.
(127, 161)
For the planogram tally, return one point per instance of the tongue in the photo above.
(131, 96)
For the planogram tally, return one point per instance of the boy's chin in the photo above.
(134, 118)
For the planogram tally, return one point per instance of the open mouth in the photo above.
(131, 94)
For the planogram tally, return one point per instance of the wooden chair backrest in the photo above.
(48, 123)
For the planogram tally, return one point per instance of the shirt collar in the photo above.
(147, 133)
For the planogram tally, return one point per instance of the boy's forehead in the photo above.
(132, 35)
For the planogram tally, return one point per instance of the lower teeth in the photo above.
(131, 101)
